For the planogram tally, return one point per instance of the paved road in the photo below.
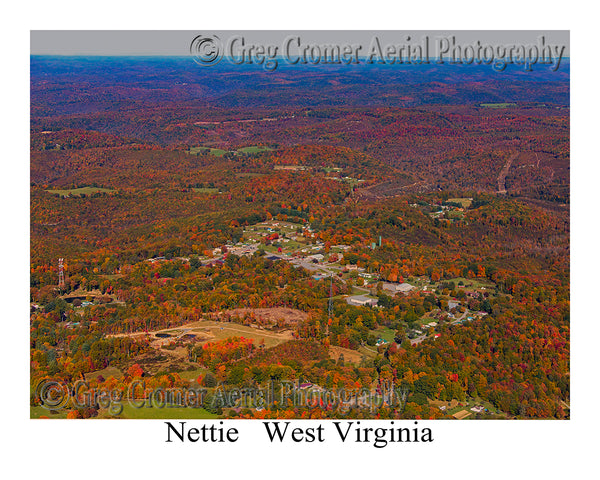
(458, 319)
(416, 341)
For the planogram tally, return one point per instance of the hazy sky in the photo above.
(162, 42)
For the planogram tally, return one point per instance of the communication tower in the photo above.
(61, 272)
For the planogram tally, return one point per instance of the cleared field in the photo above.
(218, 152)
(384, 333)
(473, 282)
(498, 105)
(77, 192)
(438, 403)
(210, 330)
(205, 190)
(165, 413)
(270, 316)
(41, 412)
(213, 151)
(461, 414)
(256, 149)
(350, 356)
(465, 202)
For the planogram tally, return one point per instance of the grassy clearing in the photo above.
(473, 282)
(218, 152)
(465, 202)
(369, 352)
(41, 412)
(206, 190)
(350, 356)
(255, 149)
(131, 412)
(385, 333)
(165, 413)
(192, 374)
(498, 105)
(77, 192)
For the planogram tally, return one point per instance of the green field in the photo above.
(39, 412)
(474, 282)
(385, 333)
(131, 412)
(217, 152)
(369, 352)
(205, 190)
(256, 149)
(165, 413)
(498, 105)
(213, 151)
(465, 202)
(76, 192)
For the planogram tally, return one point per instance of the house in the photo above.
(452, 304)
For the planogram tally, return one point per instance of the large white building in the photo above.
(398, 287)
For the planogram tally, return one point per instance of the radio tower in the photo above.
(61, 273)
(330, 306)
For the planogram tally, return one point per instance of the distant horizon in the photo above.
(177, 42)
(165, 55)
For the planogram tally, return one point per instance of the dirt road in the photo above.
(504, 173)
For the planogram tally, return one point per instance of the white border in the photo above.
(523, 449)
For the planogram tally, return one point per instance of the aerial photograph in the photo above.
(278, 226)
